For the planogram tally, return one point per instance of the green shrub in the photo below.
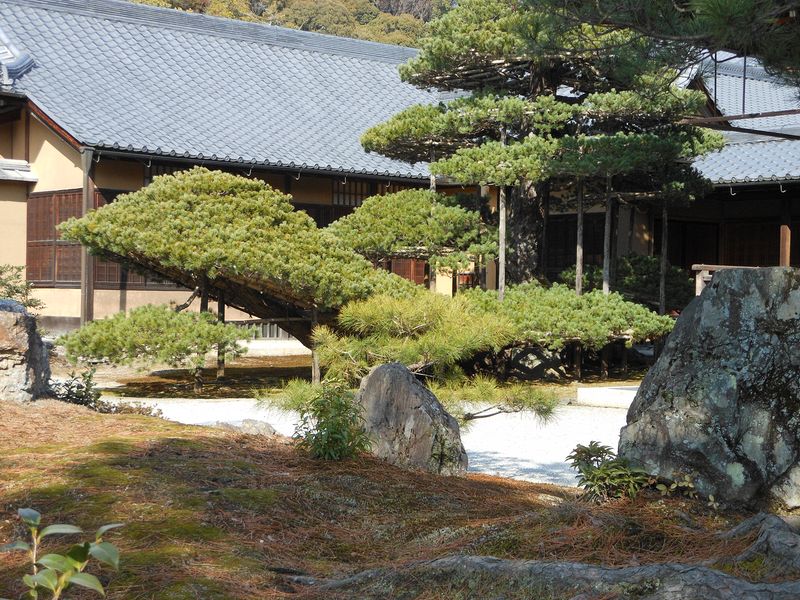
(554, 316)
(57, 573)
(13, 286)
(603, 475)
(638, 279)
(331, 424)
(82, 390)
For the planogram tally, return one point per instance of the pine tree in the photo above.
(544, 111)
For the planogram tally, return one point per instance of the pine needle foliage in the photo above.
(153, 334)
(201, 223)
(555, 316)
(426, 332)
(13, 286)
(416, 223)
(483, 397)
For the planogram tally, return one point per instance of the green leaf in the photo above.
(105, 553)
(106, 528)
(60, 528)
(57, 562)
(46, 579)
(29, 581)
(30, 516)
(79, 553)
(88, 581)
(14, 546)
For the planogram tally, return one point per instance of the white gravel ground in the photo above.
(513, 445)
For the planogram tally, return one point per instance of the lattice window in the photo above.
(412, 269)
(351, 192)
(51, 260)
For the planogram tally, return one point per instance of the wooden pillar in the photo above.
(87, 261)
(607, 239)
(545, 222)
(786, 235)
(204, 294)
(579, 243)
(221, 351)
(605, 355)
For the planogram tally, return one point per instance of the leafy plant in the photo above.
(13, 286)
(603, 475)
(331, 424)
(82, 390)
(78, 389)
(56, 573)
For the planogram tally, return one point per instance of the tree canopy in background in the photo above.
(766, 29)
(553, 103)
(416, 223)
(399, 22)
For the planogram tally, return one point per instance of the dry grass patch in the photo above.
(212, 514)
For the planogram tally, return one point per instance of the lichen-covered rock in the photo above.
(24, 362)
(408, 426)
(722, 403)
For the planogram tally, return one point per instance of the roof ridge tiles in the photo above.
(262, 33)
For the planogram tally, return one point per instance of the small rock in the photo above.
(407, 424)
(250, 427)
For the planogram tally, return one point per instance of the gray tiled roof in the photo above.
(125, 76)
(748, 158)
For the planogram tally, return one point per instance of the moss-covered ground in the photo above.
(211, 514)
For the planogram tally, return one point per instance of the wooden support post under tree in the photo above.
(604, 360)
(221, 351)
(198, 370)
(607, 238)
(786, 235)
(662, 282)
(579, 241)
(578, 361)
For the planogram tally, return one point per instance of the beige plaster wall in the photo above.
(56, 163)
(13, 222)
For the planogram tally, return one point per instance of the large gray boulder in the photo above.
(408, 426)
(24, 360)
(722, 403)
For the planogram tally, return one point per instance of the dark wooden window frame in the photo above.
(51, 261)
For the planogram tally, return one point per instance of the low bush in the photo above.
(638, 279)
(331, 426)
(82, 390)
(57, 573)
(603, 475)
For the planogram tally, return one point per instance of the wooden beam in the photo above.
(87, 261)
(785, 254)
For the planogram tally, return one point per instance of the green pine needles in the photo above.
(417, 223)
(154, 334)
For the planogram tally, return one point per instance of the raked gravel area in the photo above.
(510, 445)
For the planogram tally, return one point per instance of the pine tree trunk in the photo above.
(607, 239)
(198, 379)
(579, 244)
(524, 229)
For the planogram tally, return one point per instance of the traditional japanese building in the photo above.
(99, 96)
